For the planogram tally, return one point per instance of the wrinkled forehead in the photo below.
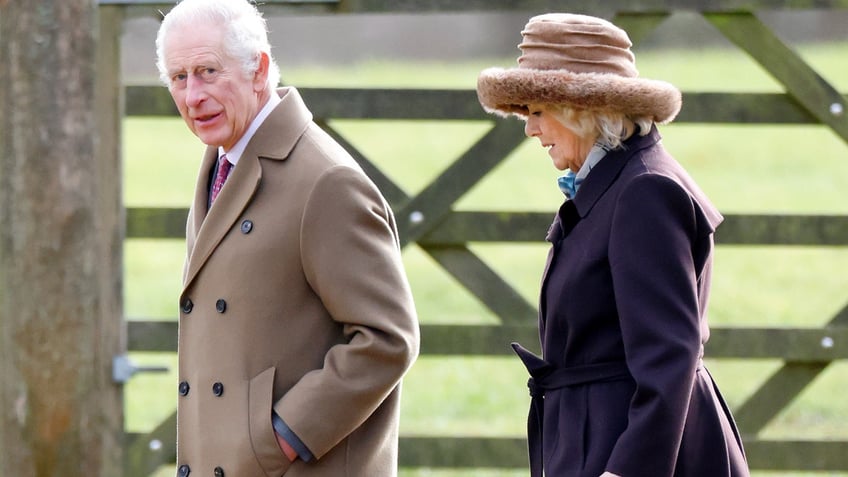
(190, 45)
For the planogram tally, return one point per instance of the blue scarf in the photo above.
(570, 182)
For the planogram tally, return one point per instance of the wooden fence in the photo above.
(429, 219)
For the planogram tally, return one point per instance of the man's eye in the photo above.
(208, 73)
(178, 78)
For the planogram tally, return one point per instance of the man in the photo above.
(297, 322)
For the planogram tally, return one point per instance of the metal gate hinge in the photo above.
(123, 368)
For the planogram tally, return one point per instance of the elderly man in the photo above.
(296, 318)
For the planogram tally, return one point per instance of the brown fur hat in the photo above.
(579, 61)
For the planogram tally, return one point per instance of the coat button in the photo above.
(183, 471)
(246, 226)
(184, 387)
(219, 472)
(218, 389)
(221, 305)
(187, 305)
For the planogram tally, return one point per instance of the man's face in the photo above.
(214, 96)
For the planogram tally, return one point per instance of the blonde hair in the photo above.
(609, 127)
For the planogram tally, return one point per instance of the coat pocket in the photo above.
(262, 437)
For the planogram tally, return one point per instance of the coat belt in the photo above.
(547, 377)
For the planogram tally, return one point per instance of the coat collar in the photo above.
(274, 140)
(601, 179)
(598, 182)
(608, 169)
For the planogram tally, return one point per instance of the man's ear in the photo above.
(260, 77)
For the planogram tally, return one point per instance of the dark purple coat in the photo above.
(626, 283)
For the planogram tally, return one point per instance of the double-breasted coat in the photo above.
(295, 300)
(623, 326)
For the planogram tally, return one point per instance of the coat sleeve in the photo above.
(352, 260)
(655, 284)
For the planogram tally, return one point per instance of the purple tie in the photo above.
(224, 167)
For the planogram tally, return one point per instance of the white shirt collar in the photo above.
(234, 154)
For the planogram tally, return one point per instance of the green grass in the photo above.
(744, 169)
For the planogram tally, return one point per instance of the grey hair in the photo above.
(608, 126)
(245, 33)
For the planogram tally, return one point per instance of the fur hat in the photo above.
(579, 61)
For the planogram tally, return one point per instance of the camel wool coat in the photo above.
(623, 324)
(295, 300)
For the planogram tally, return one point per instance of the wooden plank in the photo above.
(432, 204)
(472, 226)
(459, 228)
(801, 81)
(737, 229)
(804, 347)
(484, 283)
(463, 452)
(506, 452)
(639, 26)
(743, 108)
(411, 104)
(147, 452)
(830, 455)
(760, 229)
(393, 194)
(783, 386)
(156, 222)
(393, 103)
(774, 395)
(149, 101)
(157, 336)
(798, 345)
(477, 340)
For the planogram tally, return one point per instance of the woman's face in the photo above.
(566, 148)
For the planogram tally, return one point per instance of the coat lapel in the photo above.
(211, 227)
(274, 139)
(608, 170)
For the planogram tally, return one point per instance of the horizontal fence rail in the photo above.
(412, 104)
(462, 227)
(799, 345)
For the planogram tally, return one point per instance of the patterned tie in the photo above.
(224, 167)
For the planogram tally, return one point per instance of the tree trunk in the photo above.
(61, 235)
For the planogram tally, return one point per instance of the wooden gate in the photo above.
(430, 220)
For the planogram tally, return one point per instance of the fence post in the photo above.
(60, 248)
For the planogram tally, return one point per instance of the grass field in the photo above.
(744, 169)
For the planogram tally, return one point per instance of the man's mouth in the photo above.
(205, 118)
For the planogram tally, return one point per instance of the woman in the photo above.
(620, 389)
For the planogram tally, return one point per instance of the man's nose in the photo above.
(195, 91)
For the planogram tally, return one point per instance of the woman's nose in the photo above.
(531, 128)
